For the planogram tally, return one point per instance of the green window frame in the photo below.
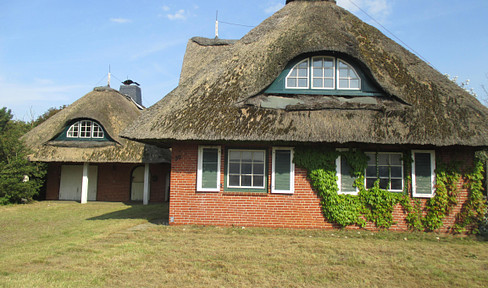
(423, 173)
(283, 171)
(208, 171)
(388, 168)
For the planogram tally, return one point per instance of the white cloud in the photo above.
(179, 15)
(165, 8)
(120, 20)
(273, 8)
(157, 47)
(379, 9)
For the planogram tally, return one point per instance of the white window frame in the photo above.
(85, 123)
(432, 173)
(292, 172)
(338, 79)
(389, 173)
(334, 72)
(246, 187)
(339, 174)
(310, 75)
(200, 169)
(298, 77)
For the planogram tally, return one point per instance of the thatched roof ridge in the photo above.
(211, 104)
(113, 111)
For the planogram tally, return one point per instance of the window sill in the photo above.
(257, 194)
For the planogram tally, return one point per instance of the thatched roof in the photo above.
(221, 100)
(114, 112)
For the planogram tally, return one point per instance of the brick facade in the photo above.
(298, 210)
(114, 181)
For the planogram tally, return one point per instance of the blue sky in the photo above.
(53, 52)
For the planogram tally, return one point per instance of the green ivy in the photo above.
(474, 209)
(376, 205)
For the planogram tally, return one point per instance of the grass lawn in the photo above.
(65, 244)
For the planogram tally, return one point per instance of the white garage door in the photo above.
(71, 178)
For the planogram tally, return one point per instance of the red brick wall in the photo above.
(114, 181)
(299, 210)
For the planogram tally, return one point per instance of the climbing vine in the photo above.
(376, 205)
(474, 209)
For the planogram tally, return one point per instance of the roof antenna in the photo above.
(109, 75)
(217, 24)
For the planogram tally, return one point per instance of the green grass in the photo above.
(65, 244)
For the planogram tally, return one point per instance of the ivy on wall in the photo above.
(376, 205)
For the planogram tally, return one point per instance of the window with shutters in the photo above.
(283, 174)
(423, 173)
(345, 178)
(208, 173)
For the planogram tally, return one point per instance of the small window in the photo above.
(208, 173)
(298, 76)
(85, 129)
(246, 169)
(388, 168)
(323, 72)
(345, 178)
(423, 173)
(283, 174)
(347, 76)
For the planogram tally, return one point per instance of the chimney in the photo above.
(333, 1)
(133, 91)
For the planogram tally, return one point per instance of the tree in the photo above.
(20, 180)
(48, 114)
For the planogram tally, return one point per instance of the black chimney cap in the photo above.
(333, 1)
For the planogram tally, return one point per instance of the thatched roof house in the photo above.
(311, 75)
(87, 131)
(225, 83)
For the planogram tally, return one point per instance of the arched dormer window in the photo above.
(333, 74)
(85, 129)
(323, 72)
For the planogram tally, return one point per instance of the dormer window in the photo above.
(326, 74)
(85, 129)
(323, 72)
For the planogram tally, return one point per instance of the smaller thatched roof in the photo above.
(114, 112)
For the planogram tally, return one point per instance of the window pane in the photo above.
(291, 82)
(396, 184)
(246, 156)
(396, 159)
(234, 168)
(396, 172)
(371, 171)
(354, 84)
(328, 63)
(329, 73)
(343, 73)
(317, 72)
(258, 181)
(384, 184)
(258, 169)
(235, 156)
(303, 65)
(370, 182)
(329, 83)
(246, 181)
(383, 171)
(318, 83)
(234, 180)
(343, 83)
(258, 156)
(302, 83)
(294, 72)
(302, 72)
(372, 158)
(246, 169)
(423, 177)
(383, 159)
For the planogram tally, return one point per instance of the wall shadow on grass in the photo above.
(153, 213)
